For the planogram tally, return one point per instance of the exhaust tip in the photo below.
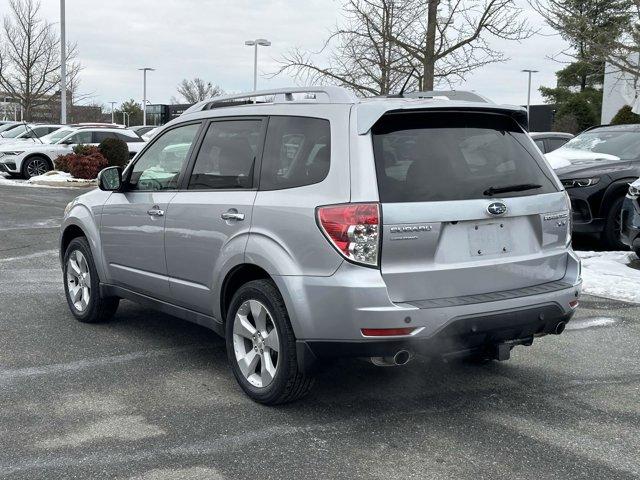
(560, 328)
(402, 357)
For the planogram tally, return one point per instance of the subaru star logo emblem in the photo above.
(497, 208)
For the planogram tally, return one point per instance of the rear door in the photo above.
(133, 221)
(208, 220)
(468, 207)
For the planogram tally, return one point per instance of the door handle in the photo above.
(155, 212)
(232, 216)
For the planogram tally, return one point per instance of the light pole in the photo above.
(63, 65)
(254, 43)
(530, 72)
(144, 92)
(113, 120)
(125, 117)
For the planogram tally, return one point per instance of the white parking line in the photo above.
(31, 255)
(590, 323)
(15, 374)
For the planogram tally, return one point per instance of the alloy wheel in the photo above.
(78, 280)
(37, 166)
(256, 343)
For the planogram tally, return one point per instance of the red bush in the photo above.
(87, 166)
(62, 162)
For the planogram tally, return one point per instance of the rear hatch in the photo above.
(469, 207)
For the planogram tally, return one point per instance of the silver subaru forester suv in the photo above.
(304, 224)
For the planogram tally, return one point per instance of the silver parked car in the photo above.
(319, 225)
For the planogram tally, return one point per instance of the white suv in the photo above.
(28, 160)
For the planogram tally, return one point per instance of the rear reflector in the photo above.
(353, 229)
(573, 303)
(386, 332)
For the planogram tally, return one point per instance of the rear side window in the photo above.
(423, 157)
(227, 157)
(555, 143)
(128, 137)
(297, 152)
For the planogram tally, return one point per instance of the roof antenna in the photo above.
(401, 93)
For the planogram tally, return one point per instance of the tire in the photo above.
(611, 234)
(287, 384)
(36, 165)
(91, 308)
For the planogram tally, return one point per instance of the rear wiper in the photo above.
(511, 188)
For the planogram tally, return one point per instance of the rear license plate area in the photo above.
(489, 239)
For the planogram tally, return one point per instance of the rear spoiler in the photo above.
(368, 114)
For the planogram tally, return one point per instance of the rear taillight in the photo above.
(353, 229)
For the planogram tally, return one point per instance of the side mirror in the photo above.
(110, 179)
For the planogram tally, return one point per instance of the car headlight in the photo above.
(580, 182)
(634, 190)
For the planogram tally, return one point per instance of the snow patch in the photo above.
(608, 274)
(49, 179)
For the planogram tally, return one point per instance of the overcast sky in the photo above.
(205, 38)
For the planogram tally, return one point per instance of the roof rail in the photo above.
(461, 95)
(330, 94)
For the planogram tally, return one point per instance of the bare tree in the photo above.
(623, 52)
(591, 28)
(383, 40)
(451, 37)
(197, 90)
(362, 56)
(29, 56)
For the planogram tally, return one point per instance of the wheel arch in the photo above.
(34, 155)
(614, 191)
(234, 279)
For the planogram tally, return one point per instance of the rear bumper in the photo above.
(460, 336)
(326, 312)
(8, 166)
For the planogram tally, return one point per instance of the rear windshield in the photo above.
(428, 157)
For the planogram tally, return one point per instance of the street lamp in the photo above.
(125, 118)
(144, 93)
(113, 111)
(63, 65)
(530, 72)
(254, 43)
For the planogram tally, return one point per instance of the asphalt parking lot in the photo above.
(149, 396)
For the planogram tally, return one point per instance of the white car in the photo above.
(31, 159)
(27, 133)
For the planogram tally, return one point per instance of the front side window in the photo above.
(98, 137)
(227, 157)
(159, 166)
(422, 157)
(297, 152)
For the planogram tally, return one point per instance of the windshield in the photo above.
(422, 157)
(14, 132)
(622, 144)
(57, 135)
(7, 127)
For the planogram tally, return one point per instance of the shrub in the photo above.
(625, 116)
(115, 151)
(87, 166)
(62, 162)
(85, 149)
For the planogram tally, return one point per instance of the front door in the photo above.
(133, 221)
(208, 221)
